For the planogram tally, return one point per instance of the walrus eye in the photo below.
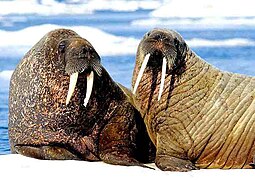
(86, 50)
(62, 46)
(158, 37)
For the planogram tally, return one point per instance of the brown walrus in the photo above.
(196, 115)
(64, 105)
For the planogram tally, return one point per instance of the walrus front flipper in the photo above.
(253, 163)
(169, 163)
(45, 152)
(118, 158)
(174, 157)
(117, 141)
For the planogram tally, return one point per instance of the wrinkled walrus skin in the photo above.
(204, 118)
(44, 124)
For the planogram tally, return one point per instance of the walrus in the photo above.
(196, 115)
(63, 105)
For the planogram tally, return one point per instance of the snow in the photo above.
(16, 43)
(195, 23)
(205, 8)
(197, 42)
(199, 14)
(5, 75)
(162, 8)
(21, 167)
(51, 7)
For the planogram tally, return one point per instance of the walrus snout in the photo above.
(79, 57)
(160, 49)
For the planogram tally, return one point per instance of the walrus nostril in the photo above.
(84, 50)
(158, 37)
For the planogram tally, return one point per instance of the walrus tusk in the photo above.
(72, 84)
(90, 79)
(163, 75)
(139, 77)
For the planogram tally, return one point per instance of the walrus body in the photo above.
(48, 120)
(203, 117)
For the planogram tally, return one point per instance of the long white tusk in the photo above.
(90, 79)
(140, 74)
(72, 84)
(163, 75)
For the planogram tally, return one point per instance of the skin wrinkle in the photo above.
(216, 128)
(226, 137)
(153, 87)
(233, 144)
(180, 84)
(214, 115)
(171, 87)
(200, 111)
(187, 132)
(183, 92)
(169, 93)
(210, 135)
(250, 155)
(229, 93)
(208, 113)
(243, 142)
(246, 88)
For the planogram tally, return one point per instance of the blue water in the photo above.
(239, 59)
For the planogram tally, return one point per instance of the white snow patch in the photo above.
(197, 42)
(6, 75)
(208, 8)
(201, 14)
(51, 7)
(195, 23)
(15, 43)
(21, 167)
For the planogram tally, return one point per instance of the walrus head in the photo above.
(161, 50)
(79, 57)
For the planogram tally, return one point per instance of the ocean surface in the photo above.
(227, 42)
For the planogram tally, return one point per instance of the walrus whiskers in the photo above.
(90, 79)
(139, 77)
(72, 84)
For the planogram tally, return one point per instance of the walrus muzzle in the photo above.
(140, 74)
(160, 50)
(80, 57)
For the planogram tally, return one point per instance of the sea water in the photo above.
(223, 42)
